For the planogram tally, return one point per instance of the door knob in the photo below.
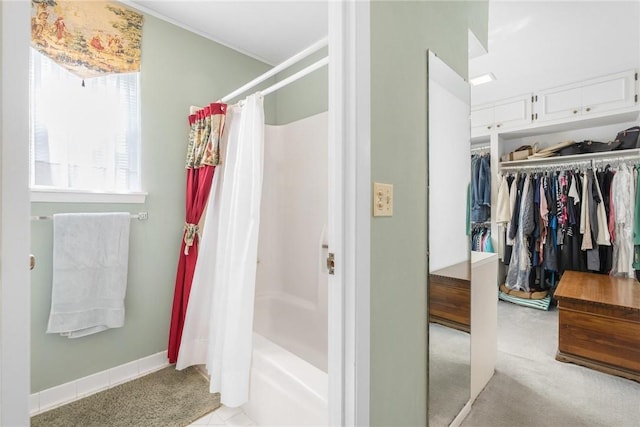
(32, 262)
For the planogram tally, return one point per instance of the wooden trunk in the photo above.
(450, 296)
(599, 323)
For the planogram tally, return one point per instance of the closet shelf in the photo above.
(604, 118)
(608, 155)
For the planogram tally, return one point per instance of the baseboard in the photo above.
(74, 390)
(457, 421)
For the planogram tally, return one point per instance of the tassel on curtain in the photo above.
(203, 154)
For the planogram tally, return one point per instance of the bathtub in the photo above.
(294, 324)
(285, 389)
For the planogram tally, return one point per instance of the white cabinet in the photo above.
(590, 97)
(484, 319)
(506, 114)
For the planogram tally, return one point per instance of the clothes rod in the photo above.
(480, 148)
(278, 68)
(297, 76)
(140, 216)
(587, 163)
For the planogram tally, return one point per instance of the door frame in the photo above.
(349, 213)
(15, 211)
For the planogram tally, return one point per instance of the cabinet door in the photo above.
(482, 120)
(593, 96)
(609, 93)
(511, 113)
(559, 103)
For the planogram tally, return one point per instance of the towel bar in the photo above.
(140, 216)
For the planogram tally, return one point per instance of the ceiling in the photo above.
(536, 45)
(270, 31)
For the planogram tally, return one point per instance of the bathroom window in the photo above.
(85, 134)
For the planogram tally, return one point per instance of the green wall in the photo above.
(401, 33)
(179, 69)
(478, 15)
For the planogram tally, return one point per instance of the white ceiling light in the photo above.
(482, 79)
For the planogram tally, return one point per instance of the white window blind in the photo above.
(83, 138)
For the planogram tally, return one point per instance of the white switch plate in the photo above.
(382, 199)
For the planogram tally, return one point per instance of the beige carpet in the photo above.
(164, 398)
(449, 373)
(532, 389)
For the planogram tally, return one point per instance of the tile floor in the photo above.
(225, 416)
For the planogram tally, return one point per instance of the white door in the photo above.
(14, 216)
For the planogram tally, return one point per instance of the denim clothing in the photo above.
(480, 188)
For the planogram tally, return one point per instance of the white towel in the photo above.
(90, 261)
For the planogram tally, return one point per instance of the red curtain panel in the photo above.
(203, 154)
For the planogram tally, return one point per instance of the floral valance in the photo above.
(89, 38)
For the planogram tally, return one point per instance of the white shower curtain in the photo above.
(219, 321)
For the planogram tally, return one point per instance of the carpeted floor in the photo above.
(164, 398)
(530, 388)
(449, 373)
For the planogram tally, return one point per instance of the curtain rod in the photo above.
(141, 216)
(278, 68)
(292, 78)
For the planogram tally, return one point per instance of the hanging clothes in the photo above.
(606, 251)
(520, 265)
(480, 188)
(481, 239)
(503, 207)
(623, 197)
(583, 221)
(603, 237)
(515, 190)
(636, 228)
(570, 253)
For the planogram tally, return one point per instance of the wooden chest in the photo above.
(599, 323)
(450, 296)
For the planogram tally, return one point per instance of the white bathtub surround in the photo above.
(292, 280)
(285, 390)
(289, 367)
(90, 261)
(230, 242)
(69, 392)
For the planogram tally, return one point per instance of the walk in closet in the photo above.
(559, 174)
(558, 203)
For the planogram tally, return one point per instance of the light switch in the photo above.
(382, 199)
